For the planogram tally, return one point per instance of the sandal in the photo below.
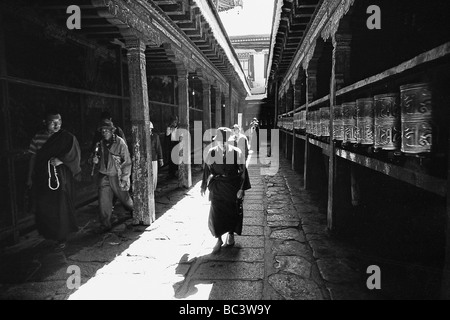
(230, 240)
(218, 246)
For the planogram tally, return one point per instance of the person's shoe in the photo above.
(230, 240)
(218, 246)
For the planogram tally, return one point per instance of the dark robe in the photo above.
(224, 177)
(55, 209)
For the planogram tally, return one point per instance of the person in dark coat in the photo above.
(106, 115)
(172, 136)
(224, 174)
(157, 154)
(54, 166)
(240, 140)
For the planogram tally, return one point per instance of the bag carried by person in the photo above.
(240, 206)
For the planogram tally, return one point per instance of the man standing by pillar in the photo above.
(114, 173)
(171, 134)
(157, 155)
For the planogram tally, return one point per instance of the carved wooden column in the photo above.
(295, 105)
(144, 201)
(184, 169)
(228, 106)
(206, 106)
(340, 72)
(445, 286)
(277, 106)
(218, 107)
(5, 123)
(307, 166)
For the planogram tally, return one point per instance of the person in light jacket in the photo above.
(114, 172)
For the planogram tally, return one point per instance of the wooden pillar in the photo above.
(144, 200)
(206, 106)
(218, 107)
(340, 73)
(6, 127)
(445, 289)
(185, 172)
(332, 158)
(306, 164)
(120, 89)
(228, 106)
(277, 103)
(295, 105)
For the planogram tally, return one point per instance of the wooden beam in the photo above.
(59, 87)
(445, 286)
(426, 182)
(429, 56)
(321, 145)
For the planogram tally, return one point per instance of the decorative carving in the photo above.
(309, 55)
(332, 26)
(338, 124)
(364, 121)
(141, 24)
(387, 121)
(166, 33)
(349, 120)
(416, 118)
(325, 121)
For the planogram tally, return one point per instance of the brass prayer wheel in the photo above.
(308, 122)
(315, 126)
(364, 121)
(349, 121)
(318, 126)
(302, 120)
(325, 122)
(338, 124)
(416, 118)
(387, 121)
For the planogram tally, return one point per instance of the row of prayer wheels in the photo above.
(390, 121)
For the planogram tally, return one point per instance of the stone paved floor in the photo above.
(284, 253)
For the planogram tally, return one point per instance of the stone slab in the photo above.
(293, 287)
(222, 270)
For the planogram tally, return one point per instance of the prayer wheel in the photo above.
(325, 122)
(318, 124)
(297, 121)
(302, 120)
(387, 121)
(364, 121)
(314, 123)
(416, 118)
(338, 124)
(308, 122)
(349, 121)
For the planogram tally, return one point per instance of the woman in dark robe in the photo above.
(55, 164)
(224, 175)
